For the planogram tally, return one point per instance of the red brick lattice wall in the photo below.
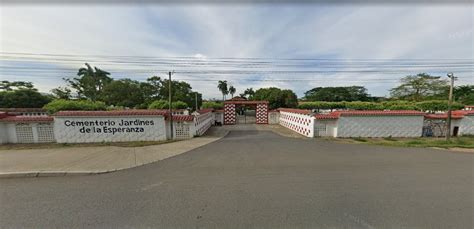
(261, 113)
(229, 114)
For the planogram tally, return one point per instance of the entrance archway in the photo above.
(261, 111)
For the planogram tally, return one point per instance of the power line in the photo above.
(232, 58)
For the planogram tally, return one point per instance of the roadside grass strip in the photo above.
(17, 146)
(455, 142)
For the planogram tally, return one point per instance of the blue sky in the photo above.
(412, 31)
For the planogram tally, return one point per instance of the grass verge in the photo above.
(455, 142)
(95, 144)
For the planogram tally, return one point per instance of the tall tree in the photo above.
(222, 85)
(232, 91)
(464, 94)
(248, 93)
(6, 85)
(151, 89)
(62, 93)
(181, 91)
(419, 87)
(90, 83)
(276, 97)
(21, 94)
(123, 92)
(337, 94)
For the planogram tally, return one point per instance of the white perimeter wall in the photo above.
(325, 128)
(273, 117)
(202, 123)
(3, 133)
(72, 134)
(300, 123)
(466, 125)
(219, 117)
(380, 126)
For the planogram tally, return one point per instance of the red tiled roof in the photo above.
(333, 115)
(443, 116)
(243, 102)
(183, 118)
(3, 115)
(291, 110)
(469, 106)
(464, 112)
(113, 113)
(337, 114)
(28, 119)
(219, 111)
(454, 114)
(173, 110)
(376, 113)
(22, 110)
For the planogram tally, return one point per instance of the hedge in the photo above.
(73, 105)
(163, 104)
(437, 105)
(430, 106)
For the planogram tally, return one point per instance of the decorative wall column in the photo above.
(229, 114)
(261, 113)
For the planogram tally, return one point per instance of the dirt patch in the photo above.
(464, 150)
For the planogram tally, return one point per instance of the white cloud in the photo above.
(275, 31)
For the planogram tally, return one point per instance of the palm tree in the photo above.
(250, 92)
(232, 91)
(92, 81)
(222, 85)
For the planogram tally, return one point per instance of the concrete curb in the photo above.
(48, 174)
(32, 174)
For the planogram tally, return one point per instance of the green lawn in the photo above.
(455, 142)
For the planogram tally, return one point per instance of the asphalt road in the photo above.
(252, 179)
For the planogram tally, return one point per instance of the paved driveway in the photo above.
(258, 179)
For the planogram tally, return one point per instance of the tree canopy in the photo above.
(464, 94)
(276, 97)
(90, 82)
(420, 87)
(21, 94)
(6, 85)
(248, 94)
(124, 92)
(95, 84)
(337, 94)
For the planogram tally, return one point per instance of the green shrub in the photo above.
(210, 104)
(321, 105)
(364, 106)
(431, 105)
(73, 105)
(359, 139)
(23, 98)
(402, 107)
(163, 104)
(437, 105)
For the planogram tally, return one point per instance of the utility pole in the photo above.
(169, 102)
(196, 98)
(450, 101)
